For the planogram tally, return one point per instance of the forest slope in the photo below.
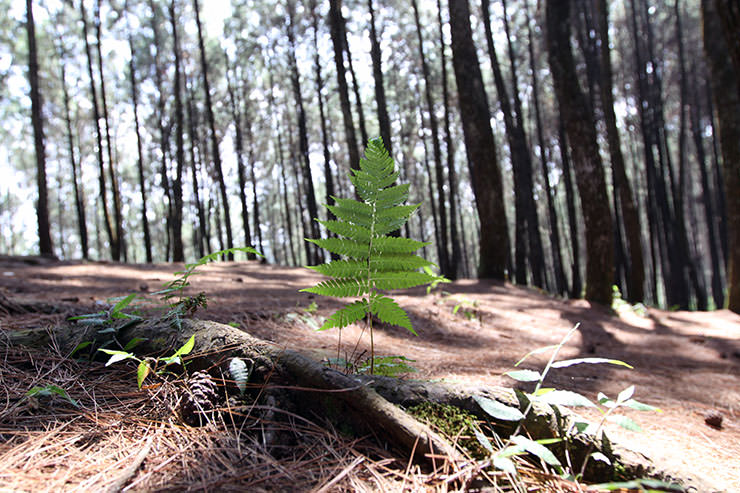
(686, 363)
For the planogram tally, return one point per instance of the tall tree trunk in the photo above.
(212, 126)
(570, 203)
(98, 134)
(140, 153)
(555, 248)
(581, 134)
(630, 215)
(444, 256)
(384, 121)
(42, 206)
(202, 235)
(77, 181)
(726, 94)
(178, 253)
(328, 178)
(314, 253)
(715, 250)
(117, 242)
(239, 149)
(162, 131)
(480, 145)
(456, 254)
(536, 255)
(336, 21)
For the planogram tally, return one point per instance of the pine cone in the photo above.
(200, 398)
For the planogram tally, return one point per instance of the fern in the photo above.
(372, 261)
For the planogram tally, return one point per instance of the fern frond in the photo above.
(397, 212)
(397, 245)
(353, 212)
(353, 269)
(389, 312)
(400, 280)
(346, 315)
(340, 288)
(342, 246)
(407, 262)
(392, 196)
(355, 232)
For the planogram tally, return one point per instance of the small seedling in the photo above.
(50, 391)
(147, 365)
(518, 445)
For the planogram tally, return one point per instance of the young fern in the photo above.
(372, 261)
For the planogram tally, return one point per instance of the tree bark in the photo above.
(178, 253)
(212, 127)
(444, 256)
(336, 21)
(314, 253)
(726, 95)
(98, 134)
(582, 139)
(384, 121)
(630, 215)
(77, 181)
(117, 242)
(480, 145)
(201, 233)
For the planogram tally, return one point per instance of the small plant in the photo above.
(148, 365)
(373, 261)
(518, 444)
(50, 391)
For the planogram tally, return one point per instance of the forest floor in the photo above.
(686, 363)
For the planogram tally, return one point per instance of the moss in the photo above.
(453, 423)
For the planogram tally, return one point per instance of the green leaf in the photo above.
(524, 375)
(186, 348)
(343, 269)
(389, 312)
(565, 398)
(624, 422)
(346, 315)
(133, 343)
(498, 410)
(577, 361)
(142, 372)
(348, 230)
(483, 440)
(391, 244)
(340, 288)
(504, 464)
(639, 406)
(537, 449)
(80, 347)
(626, 394)
(342, 246)
(400, 280)
(117, 356)
(123, 303)
(49, 390)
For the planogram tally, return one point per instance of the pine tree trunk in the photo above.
(555, 247)
(630, 215)
(444, 256)
(103, 195)
(725, 90)
(336, 21)
(581, 134)
(536, 255)
(42, 207)
(314, 253)
(212, 127)
(480, 145)
(576, 289)
(117, 240)
(77, 181)
(201, 234)
(178, 253)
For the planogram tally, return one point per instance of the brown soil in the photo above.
(686, 363)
